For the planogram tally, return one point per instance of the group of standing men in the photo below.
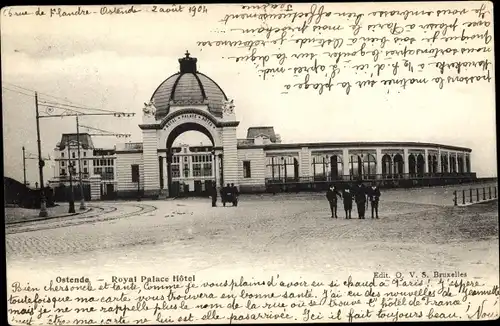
(360, 194)
(229, 193)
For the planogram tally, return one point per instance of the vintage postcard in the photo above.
(250, 163)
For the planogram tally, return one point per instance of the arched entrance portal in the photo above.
(191, 170)
(187, 100)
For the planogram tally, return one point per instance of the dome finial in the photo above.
(188, 64)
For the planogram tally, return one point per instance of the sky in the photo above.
(116, 63)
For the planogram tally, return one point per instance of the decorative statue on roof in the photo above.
(149, 108)
(228, 107)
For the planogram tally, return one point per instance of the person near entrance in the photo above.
(331, 196)
(223, 194)
(360, 197)
(374, 196)
(235, 194)
(227, 194)
(347, 196)
(213, 194)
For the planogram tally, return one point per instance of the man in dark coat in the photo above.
(360, 197)
(235, 193)
(223, 195)
(213, 193)
(374, 196)
(226, 194)
(347, 195)
(331, 195)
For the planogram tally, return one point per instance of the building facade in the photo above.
(189, 100)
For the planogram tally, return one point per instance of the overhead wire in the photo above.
(71, 104)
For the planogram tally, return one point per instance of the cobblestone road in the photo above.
(275, 233)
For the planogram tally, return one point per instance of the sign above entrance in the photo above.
(189, 117)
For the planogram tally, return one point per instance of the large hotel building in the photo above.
(190, 100)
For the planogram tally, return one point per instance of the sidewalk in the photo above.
(15, 215)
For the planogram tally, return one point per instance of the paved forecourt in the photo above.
(285, 233)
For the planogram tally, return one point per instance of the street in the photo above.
(285, 233)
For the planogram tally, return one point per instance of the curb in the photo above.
(478, 202)
(50, 217)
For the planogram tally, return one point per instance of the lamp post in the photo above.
(41, 162)
(24, 166)
(82, 200)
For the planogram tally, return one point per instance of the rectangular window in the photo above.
(135, 172)
(84, 154)
(73, 154)
(175, 171)
(85, 170)
(246, 169)
(62, 163)
(63, 172)
(197, 170)
(62, 154)
(207, 169)
(84, 162)
(185, 171)
(103, 162)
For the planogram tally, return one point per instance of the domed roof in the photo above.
(188, 87)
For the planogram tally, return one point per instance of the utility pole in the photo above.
(72, 195)
(41, 163)
(24, 166)
(82, 200)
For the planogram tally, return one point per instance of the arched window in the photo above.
(430, 166)
(412, 165)
(420, 165)
(336, 167)
(398, 166)
(434, 164)
(386, 166)
(369, 166)
(355, 167)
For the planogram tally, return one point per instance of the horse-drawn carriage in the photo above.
(229, 194)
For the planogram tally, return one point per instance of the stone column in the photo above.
(95, 187)
(230, 156)
(426, 158)
(456, 161)
(439, 167)
(464, 163)
(150, 163)
(378, 157)
(345, 163)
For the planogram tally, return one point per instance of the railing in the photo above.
(372, 177)
(474, 195)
